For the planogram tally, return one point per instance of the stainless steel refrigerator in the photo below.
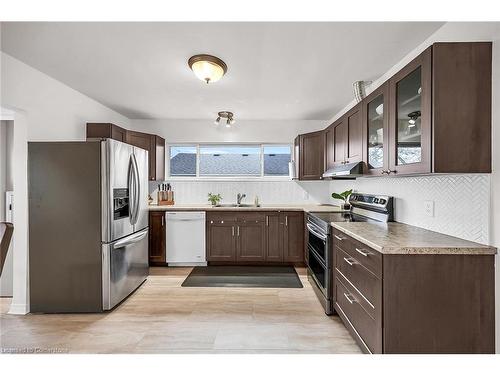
(88, 224)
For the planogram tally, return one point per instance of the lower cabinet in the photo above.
(157, 238)
(255, 237)
(408, 303)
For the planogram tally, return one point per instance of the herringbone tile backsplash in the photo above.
(461, 202)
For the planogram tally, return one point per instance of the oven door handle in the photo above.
(317, 234)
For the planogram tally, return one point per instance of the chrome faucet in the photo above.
(239, 197)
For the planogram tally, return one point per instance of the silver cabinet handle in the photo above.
(350, 262)
(162, 220)
(232, 231)
(338, 238)
(211, 221)
(238, 231)
(222, 221)
(348, 297)
(363, 252)
(267, 220)
(286, 220)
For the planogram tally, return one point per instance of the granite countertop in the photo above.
(264, 207)
(399, 238)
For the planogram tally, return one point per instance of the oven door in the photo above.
(318, 241)
(319, 271)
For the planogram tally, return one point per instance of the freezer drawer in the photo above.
(124, 267)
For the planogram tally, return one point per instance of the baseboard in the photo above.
(18, 309)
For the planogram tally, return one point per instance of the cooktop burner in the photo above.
(341, 217)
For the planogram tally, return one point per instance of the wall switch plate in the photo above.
(429, 208)
(305, 196)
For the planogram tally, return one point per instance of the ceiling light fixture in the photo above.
(228, 116)
(208, 68)
(413, 118)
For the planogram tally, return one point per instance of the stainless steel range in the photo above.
(365, 208)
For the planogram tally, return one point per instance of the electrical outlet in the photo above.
(429, 208)
(305, 196)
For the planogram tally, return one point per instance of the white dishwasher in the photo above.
(185, 245)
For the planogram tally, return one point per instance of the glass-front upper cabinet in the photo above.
(375, 130)
(410, 119)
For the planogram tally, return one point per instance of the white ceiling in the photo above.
(300, 71)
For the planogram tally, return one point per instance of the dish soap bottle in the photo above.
(256, 201)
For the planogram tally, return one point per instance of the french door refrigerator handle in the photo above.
(131, 189)
(137, 191)
(130, 239)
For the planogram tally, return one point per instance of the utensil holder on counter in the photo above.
(166, 198)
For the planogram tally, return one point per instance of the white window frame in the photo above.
(225, 177)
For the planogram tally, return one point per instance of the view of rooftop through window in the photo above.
(230, 160)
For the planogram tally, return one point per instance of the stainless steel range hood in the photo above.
(345, 171)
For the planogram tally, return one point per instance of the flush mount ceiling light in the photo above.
(228, 116)
(208, 68)
(413, 118)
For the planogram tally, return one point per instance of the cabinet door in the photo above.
(157, 251)
(105, 130)
(354, 135)
(251, 243)
(158, 160)
(293, 236)
(340, 141)
(312, 156)
(410, 117)
(375, 122)
(221, 241)
(274, 242)
(329, 147)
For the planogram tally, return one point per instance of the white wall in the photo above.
(461, 202)
(458, 31)
(54, 111)
(6, 184)
(3, 167)
(260, 131)
(269, 192)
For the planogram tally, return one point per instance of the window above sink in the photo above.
(229, 161)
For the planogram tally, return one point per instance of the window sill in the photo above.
(232, 178)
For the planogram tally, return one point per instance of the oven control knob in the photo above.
(375, 200)
(382, 201)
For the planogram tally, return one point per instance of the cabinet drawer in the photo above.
(221, 217)
(341, 240)
(366, 327)
(368, 257)
(251, 217)
(368, 285)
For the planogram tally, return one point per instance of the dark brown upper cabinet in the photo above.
(154, 144)
(375, 126)
(98, 130)
(354, 151)
(440, 111)
(339, 141)
(344, 139)
(410, 117)
(329, 147)
(311, 157)
(156, 147)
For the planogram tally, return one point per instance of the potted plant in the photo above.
(214, 199)
(344, 196)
